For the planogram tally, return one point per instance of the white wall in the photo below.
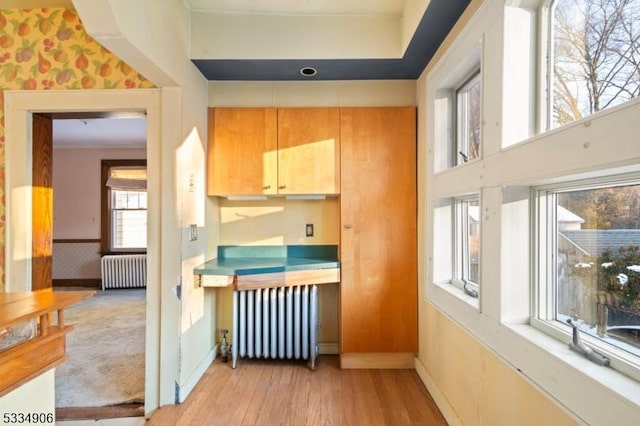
(279, 222)
(76, 188)
(261, 36)
(316, 93)
(294, 36)
(77, 208)
(152, 37)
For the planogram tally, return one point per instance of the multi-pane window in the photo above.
(467, 244)
(595, 56)
(589, 250)
(124, 206)
(468, 112)
(128, 219)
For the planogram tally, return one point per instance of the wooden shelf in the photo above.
(288, 279)
(272, 279)
(29, 359)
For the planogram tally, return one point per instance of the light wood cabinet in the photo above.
(309, 150)
(273, 151)
(378, 289)
(242, 151)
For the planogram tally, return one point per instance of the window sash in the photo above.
(464, 275)
(128, 220)
(544, 311)
(464, 116)
(126, 233)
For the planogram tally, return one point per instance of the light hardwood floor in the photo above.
(288, 393)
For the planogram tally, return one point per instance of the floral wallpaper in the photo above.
(48, 49)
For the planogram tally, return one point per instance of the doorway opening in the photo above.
(20, 108)
(94, 216)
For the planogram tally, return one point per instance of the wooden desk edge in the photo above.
(272, 279)
(16, 308)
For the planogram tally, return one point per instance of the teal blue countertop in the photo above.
(248, 260)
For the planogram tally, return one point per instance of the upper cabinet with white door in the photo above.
(274, 151)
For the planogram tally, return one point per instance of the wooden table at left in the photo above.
(46, 348)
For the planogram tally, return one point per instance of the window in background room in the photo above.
(591, 246)
(124, 206)
(467, 244)
(128, 219)
(468, 112)
(595, 61)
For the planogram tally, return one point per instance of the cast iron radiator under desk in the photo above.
(276, 323)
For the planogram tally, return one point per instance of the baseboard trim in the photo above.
(328, 348)
(193, 380)
(438, 397)
(77, 282)
(378, 360)
(98, 413)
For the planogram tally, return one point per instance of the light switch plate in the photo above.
(193, 232)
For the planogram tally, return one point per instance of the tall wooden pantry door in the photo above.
(378, 296)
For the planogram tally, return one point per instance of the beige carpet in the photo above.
(105, 351)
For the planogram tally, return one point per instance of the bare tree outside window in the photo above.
(596, 56)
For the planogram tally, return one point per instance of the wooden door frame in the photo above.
(19, 107)
(42, 202)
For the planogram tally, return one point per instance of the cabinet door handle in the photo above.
(282, 187)
(266, 187)
(348, 226)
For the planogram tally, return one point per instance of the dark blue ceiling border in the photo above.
(434, 26)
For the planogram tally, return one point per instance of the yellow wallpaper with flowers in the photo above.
(48, 49)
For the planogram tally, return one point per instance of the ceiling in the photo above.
(325, 7)
(333, 61)
(84, 131)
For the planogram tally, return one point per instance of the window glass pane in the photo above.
(598, 262)
(468, 100)
(129, 229)
(473, 247)
(129, 219)
(467, 243)
(595, 56)
(129, 199)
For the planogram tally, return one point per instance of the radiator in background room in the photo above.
(276, 323)
(124, 271)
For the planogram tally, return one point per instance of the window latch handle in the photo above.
(586, 351)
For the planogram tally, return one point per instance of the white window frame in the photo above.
(107, 229)
(461, 141)
(461, 255)
(543, 311)
(113, 212)
(448, 250)
(445, 109)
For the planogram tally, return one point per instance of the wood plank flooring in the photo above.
(289, 393)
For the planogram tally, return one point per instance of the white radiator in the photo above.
(276, 323)
(124, 271)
